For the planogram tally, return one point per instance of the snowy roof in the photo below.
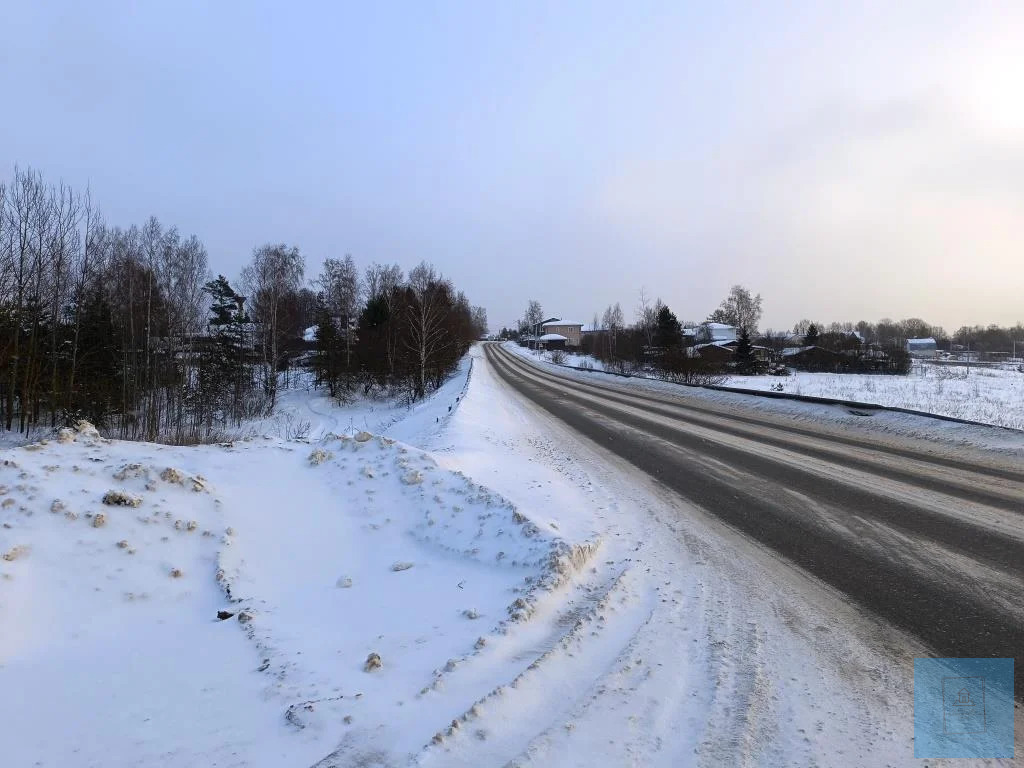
(552, 337)
(921, 342)
(562, 322)
(718, 325)
(689, 331)
(723, 344)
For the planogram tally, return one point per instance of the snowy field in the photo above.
(988, 395)
(469, 585)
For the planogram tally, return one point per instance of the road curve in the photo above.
(932, 542)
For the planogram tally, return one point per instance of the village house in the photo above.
(710, 333)
(923, 347)
(571, 332)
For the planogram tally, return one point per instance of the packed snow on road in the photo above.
(460, 584)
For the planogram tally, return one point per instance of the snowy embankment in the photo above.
(986, 395)
(262, 602)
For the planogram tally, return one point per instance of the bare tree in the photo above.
(740, 309)
(274, 273)
(533, 316)
(613, 321)
(339, 281)
(428, 312)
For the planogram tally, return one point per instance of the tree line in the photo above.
(655, 340)
(126, 327)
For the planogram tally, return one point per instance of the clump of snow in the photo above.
(15, 552)
(401, 566)
(132, 471)
(319, 456)
(343, 582)
(172, 475)
(86, 429)
(363, 437)
(412, 477)
(66, 435)
(121, 499)
(470, 613)
(372, 662)
(57, 506)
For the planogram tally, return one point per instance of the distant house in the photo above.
(923, 347)
(813, 358)
(725, 352)
(571, 331)
(715, 352)
(551, 341)
(709, 333)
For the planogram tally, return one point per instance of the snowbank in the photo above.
(266, 600)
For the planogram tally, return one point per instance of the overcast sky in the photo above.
(845, 163)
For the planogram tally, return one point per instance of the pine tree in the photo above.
(222, 370)
(326, 357)
(668, 333)
(812, 335)
(744, 356)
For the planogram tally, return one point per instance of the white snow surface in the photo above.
(989, 395)
(531, 601)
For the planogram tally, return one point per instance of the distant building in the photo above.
(551, 341)
(812, 358)
(571, 331)
(927, 347)
(710, 333)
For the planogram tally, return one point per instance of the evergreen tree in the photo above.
(221, 379)
(811, 338)
(744, 356)
(326, 359)
(668, 333)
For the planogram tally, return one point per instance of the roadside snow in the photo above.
(262, 602)
(990, 395)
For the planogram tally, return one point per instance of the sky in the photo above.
(846, 161)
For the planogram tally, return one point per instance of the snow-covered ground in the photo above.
(987, 395)
(528, 601)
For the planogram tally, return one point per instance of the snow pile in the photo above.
(106, 597)
(303, 599)
(386, 564)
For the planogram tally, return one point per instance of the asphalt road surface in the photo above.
(927, 537)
